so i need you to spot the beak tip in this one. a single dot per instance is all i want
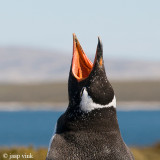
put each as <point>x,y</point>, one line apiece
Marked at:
<point>73,34</point>
<point>99,39</point>
<point>74,37</point>
<point>100,46</point>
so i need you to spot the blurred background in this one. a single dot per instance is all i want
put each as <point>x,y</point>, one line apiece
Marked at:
<point>35,56</point>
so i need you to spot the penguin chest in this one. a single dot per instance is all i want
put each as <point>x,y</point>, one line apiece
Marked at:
<point>85,146</point>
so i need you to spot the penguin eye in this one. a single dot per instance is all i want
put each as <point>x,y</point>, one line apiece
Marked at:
<point>81,93</point>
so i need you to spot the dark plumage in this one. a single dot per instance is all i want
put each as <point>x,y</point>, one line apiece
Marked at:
<point>91,134</point>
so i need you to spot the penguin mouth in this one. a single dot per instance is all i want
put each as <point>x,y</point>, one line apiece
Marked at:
<point>81,65</point>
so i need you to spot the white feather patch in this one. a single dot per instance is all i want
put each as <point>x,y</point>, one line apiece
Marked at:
<point>88,105</point>
<point>52,139</point>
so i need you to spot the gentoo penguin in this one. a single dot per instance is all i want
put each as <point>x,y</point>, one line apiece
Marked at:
<point>88,130</point>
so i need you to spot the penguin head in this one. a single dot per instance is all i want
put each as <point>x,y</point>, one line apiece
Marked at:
<point>88,85</point>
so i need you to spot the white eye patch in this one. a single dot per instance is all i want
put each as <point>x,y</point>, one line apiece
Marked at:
<point>88,105</point>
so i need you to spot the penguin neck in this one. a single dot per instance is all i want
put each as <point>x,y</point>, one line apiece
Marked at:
<point>98,120</point>
<point>105,119</point>
<point>88,114</point>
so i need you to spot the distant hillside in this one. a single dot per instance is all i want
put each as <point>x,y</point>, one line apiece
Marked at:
<point>25,65</point>
<point>57,92</point>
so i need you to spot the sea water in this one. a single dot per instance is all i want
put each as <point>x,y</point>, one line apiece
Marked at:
<point>23,128</point>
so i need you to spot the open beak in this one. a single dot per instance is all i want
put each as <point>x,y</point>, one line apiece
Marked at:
<point>81,65</point>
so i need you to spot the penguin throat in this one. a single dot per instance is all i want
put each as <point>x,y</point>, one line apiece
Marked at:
<point>88,105</point>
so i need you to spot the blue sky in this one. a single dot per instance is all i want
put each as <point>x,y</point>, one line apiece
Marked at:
<point>128,28</point>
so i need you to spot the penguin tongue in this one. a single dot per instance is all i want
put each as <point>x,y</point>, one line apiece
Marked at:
<point>81,65</point>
